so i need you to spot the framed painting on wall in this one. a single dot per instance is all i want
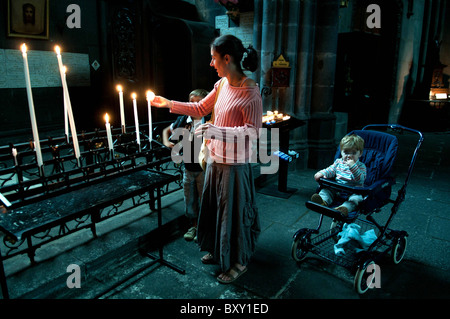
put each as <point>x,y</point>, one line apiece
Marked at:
<point>28,18</point>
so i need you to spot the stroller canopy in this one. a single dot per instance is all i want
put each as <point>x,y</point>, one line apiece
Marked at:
<point>380,150</point>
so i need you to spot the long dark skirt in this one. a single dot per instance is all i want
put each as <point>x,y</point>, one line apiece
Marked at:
<point>228,224</point>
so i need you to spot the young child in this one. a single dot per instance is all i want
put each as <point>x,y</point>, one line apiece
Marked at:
<point>346,170</point>
<point>193,175</point>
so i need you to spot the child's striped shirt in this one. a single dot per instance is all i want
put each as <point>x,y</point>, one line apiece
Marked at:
<point>353,176</point>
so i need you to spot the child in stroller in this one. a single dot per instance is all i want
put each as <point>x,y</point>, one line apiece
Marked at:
<point>380,150</point>
<point>346,170</point>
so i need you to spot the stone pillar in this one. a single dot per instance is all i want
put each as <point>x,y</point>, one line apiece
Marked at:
<point>268,36</point>
<point>303,79</point>
<point>321,126</point>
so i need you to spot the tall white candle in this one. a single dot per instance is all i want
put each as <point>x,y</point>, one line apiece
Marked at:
<point>31,108</point>
<point>73,130</point>
<point>108,132</point>
<point>76,146</point>
<point>66,115</point>
<point>150,98</point>
<point>122,112</point>
<point>16,163</point>
<point>14,154</point>
<point>136,120</point>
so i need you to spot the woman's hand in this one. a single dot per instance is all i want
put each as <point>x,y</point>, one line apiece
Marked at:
<point>201,129</point>
<point>162,102</point>
<point>208,131</point>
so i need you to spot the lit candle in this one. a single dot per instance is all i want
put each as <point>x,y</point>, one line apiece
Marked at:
<point>16,163</point>
<point>14,154</point>
<point>58,55</point>
<point>66,116</point>
<point>108,132</point>
<point>62,73</point>
<point>31,107</point>
<point>68,104</point>
<point>76,146</point>
<point>150,98</point>
<point>122,112</point>
<point>136,120</point>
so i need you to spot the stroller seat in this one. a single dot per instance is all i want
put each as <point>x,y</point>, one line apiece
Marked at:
<point>380,151</point>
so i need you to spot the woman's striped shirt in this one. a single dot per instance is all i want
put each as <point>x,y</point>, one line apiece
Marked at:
<point>238,118</point>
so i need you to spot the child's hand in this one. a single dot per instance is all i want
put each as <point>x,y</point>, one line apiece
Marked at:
<point>318,176</point>
<point>349,161</point>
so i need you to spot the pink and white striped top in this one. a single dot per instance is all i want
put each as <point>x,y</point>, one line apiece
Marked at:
<point>238,118</point>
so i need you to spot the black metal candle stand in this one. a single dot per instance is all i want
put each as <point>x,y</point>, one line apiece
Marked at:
<point>22,179</point>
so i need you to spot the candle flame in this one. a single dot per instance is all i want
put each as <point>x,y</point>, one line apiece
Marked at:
<point>57,49</point>
<point>24,48</point>
<point>150,96</point>
<point>119,88</point>
<point>133,96</point>
<point>106,118</point>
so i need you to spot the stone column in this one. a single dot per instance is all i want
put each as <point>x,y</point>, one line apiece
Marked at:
<point>321,126</point>
<point>268,37</point>
<point>303,78</point>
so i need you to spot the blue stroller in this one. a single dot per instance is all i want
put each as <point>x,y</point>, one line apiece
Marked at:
<point>380,151</point>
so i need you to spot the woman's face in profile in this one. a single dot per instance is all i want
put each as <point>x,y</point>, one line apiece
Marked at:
<point>217,63</point>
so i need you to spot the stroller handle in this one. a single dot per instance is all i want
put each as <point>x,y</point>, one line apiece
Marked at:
<point>396,127</point>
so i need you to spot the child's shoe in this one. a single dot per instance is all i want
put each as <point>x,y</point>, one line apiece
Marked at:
<point>316,198</point>
<point>190,234</point>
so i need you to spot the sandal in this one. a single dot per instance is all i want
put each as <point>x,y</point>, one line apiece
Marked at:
<point>208,259</point>
<point>237,273</point>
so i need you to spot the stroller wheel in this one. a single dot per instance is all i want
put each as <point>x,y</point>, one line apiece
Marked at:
<point>399,249</point>
<point>300,246</point>
<point>364,277</point>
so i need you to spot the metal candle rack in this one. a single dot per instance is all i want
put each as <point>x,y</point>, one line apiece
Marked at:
<point>21,178</point>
